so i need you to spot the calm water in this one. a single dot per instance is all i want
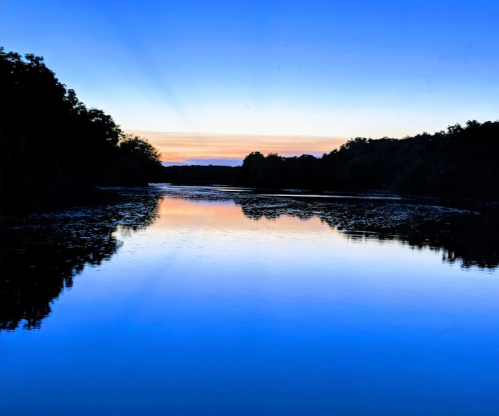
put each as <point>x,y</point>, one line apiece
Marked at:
<point>197,301</point>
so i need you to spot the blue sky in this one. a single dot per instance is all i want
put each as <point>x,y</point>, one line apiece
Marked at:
<point>275,68</point>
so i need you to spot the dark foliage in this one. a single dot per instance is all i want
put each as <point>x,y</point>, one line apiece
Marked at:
<point>139,162</point>
<point>462,161</point>
<point>52,146</point>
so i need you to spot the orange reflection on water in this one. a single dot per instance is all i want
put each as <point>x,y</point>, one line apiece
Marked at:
<point>181,212</point>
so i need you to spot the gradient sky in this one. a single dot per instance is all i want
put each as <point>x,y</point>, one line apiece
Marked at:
<point>217,79</point>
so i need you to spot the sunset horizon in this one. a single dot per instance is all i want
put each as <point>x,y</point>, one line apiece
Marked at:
<point>267,73</point>
<point>230,149</point>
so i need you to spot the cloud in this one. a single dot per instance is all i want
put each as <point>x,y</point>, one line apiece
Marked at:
<point>184,148</point>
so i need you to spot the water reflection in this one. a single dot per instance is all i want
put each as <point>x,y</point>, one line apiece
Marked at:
<point>272,312</point>
<point>43,253</point>
<point>461,236</point>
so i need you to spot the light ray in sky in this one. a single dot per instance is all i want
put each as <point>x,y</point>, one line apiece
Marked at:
<point>273,68</point>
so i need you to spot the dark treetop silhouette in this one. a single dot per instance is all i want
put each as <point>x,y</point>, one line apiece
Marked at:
<point>53,147</point>
<point>461,161</point>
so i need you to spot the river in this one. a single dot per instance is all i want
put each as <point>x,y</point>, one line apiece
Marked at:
<point>173,300</point>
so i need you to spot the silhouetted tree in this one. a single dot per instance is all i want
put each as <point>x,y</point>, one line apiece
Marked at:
<point>461,161</point>
<point>140,161</point>
<point>51,145</point>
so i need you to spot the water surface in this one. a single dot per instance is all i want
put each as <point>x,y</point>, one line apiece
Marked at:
<point>196,301</point>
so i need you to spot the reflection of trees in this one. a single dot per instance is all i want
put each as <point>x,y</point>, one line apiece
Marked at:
<point>43,253</point>
<point>460,236</point>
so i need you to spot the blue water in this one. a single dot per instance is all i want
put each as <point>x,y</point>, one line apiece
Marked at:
<point>210,312</point>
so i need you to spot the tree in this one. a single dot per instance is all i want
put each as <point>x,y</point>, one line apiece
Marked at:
<point>140,161</point>
<point>52,146</point>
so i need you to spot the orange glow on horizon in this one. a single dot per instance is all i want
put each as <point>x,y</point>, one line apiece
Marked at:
<point>180,147</point>
<point>185,214</point>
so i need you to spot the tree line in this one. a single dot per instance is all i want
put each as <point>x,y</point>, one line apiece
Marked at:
<point>53,147</point>
<point>458,161</point>
<point>461,161</point>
